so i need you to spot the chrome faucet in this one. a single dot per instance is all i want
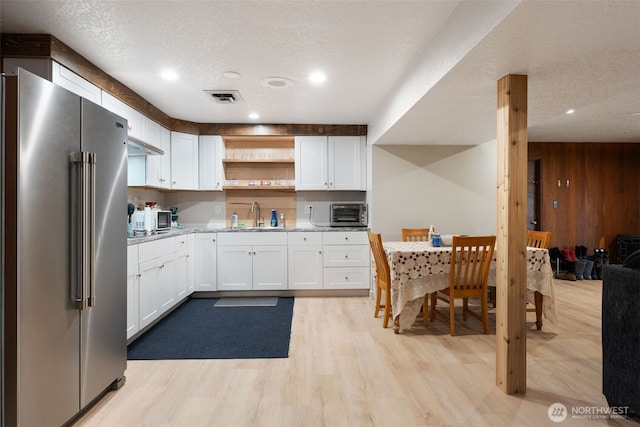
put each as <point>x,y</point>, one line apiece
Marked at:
<point>255,207</point>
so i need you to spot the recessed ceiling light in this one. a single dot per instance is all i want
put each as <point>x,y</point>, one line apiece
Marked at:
<point>317,77</point>
<point>231,74</point>
<point>169,75</point>
<point>277,83</point>
<point>254,116</point>
<point>570,111</point>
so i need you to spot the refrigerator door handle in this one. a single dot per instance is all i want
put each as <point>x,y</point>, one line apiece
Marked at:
<point>92,230</point>
<point>86,213</point>
<point>78,284</point>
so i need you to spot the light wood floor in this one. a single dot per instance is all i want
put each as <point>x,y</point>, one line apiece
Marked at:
<point>344,369</point>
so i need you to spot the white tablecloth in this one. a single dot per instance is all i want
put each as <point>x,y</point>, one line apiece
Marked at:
<point>418,268</point>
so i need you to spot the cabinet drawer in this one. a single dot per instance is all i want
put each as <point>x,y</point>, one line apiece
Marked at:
<point>252,238</point>
<point>132,255</point>
<point>346,278</point>
<point>345,238</point>
<point>302,238</point>
<point>155,249</point>
<point>346,256</point>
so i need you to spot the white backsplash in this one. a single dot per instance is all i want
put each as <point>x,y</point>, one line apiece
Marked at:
<point>208,208</point>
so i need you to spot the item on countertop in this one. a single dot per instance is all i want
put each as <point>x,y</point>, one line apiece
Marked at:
<point>174,218</point>
<point>130,211</point>
<point>282,220</point>
<point>274,218</point>
<point>432,229</point>
<point>149,225</point>
<point>137,223</point>
<point>234,219</point>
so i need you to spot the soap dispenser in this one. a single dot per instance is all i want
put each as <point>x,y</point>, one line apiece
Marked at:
<point>234,219</point>
<point>274,218</point>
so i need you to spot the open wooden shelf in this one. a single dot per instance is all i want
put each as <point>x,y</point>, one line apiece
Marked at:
<point>258,187</point>
<point>258,160</point>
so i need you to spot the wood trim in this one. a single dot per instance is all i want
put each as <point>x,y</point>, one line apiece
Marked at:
<point>48,46</point>
<point>511,278</point>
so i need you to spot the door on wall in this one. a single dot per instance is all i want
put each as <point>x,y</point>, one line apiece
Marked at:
<point>533,194</point>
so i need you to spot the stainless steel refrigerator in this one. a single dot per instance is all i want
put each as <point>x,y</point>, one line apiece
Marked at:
<point>64,200</point>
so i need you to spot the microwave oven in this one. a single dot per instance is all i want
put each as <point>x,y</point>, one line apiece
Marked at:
<point>348,214</point>
<point>163,221</point>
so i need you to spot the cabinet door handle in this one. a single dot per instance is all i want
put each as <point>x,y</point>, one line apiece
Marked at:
<point>320,252</point>
<point>346,256</point>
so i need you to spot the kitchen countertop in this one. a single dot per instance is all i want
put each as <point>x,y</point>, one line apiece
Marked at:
<point>190,230</point>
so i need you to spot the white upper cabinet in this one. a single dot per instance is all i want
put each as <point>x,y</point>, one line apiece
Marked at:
<point>330,163</point>
<point>134,118</point>
<point>184,161</point>
<point>56,73</point>
<point>346,163</point>
<point>311,163</point>
<point>74,83</point>
<point>210,162</point>
<point>159,166</point>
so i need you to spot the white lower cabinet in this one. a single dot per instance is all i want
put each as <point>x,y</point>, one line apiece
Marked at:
<point>167,282</point>
<point>184,266</point>
<point>346,257</point>
<point>163,272</point>
<point>149,309</point>
<point>235,271</point>
<point>252,261</point>
<point>157,285</point>
<point>191,264</point>
<point>205,265</point>
<point>305,260</point>
<point>133,286</point>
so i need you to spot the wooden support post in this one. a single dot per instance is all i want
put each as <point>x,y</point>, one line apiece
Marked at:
<point>511,333</point>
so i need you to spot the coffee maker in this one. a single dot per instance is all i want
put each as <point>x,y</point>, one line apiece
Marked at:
<point>174,218</point>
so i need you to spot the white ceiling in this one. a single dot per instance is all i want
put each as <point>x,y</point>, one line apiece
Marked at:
<point>416,72</point>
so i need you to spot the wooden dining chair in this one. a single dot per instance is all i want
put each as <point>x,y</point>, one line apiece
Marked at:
<point>535,239</point>
<point>415,234</point>
<point>468,276</point>
<point>383,281</point>
<point>538,239</point>
<point>418,235</point>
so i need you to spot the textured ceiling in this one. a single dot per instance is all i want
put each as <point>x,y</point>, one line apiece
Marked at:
<point>417,72</point>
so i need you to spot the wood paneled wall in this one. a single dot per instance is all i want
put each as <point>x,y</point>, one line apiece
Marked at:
<point>602,198</point>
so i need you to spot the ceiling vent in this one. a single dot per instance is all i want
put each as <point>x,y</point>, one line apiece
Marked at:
<point>224,96</point>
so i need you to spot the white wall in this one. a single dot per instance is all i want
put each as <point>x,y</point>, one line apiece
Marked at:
<point>451,187</point>
<point>199,208</point>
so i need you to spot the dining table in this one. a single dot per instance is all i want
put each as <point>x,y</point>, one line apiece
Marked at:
<point>419,268</point>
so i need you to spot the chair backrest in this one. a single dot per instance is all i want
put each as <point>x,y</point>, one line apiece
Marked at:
<point>415,234</point>
<point>538,239</point>
<point>470,260</point>
<point>379,256</point>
